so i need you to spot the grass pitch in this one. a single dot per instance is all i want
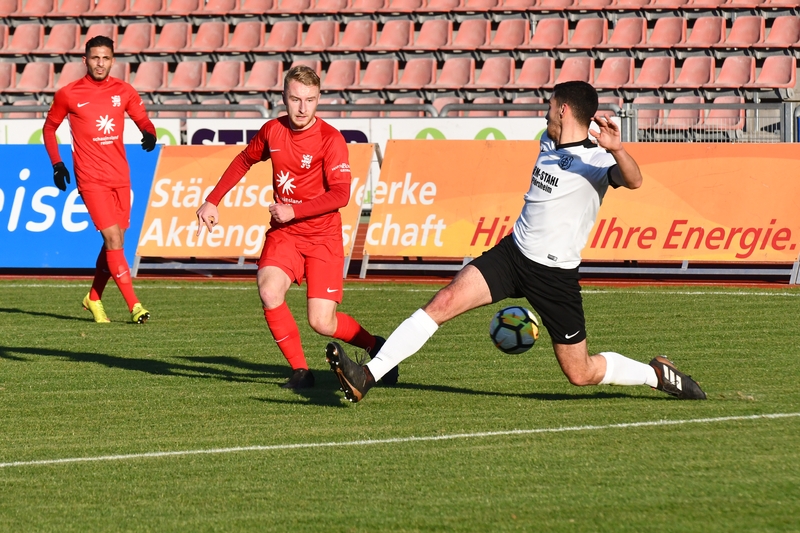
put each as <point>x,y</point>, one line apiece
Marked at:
<point>180,424</point>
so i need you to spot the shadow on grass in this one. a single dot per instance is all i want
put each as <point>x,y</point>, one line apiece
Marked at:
<point>544,396</point>
<point>15,310</point>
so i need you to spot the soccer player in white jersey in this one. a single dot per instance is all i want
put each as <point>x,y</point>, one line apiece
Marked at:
<point>539,260</point>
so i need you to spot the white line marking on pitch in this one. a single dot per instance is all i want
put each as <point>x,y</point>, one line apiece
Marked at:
<point>397,440</point>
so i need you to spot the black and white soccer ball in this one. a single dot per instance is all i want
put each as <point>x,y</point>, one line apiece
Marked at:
<point>514,329</point>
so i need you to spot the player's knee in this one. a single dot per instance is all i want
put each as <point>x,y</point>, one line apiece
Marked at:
<point>579,377</point>
<point>322,325</point>
<point>269,299</point>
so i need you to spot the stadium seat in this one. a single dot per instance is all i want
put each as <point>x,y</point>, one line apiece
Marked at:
<point>72,71</point>
<point>784,34</point>
<point>63,39</point>
<point>548,34</point>
<point>188,76</point>
<point>358,34</point>
<point>253,7</point>
<point>418,73</point>
<point>379,74</point>
<point>628,33</point>
<point>106,30</point>
<point>485,100</point>
<point>439,6</point>
<point>321,35</point>
<point>121,71</point>
<point>667,32</point>
<point>9,8</point>
<point>367,114</point>
<point>211,114</point>
<point>525,113</point>
<point>401,7</point>
<point>615,72</point>
<point>211,36</point>
<point>326,7</point>
<point>609,100</point>
<point>475,6</point>
<point>439,103</point>
<point>705,33</point>
<point>264,76</point>
<point>26,39</point>
<point>513,6</point>
<point>330,114</point>
<point>511,34</point>
<point>683,119</point>
<point>225,76</point>
<point>735,73</point>
<point>664,5</point>
<point>106,9</point>
<point>704,5</point>
<point>471,34</point>
<point>655,73</point>
<point>178,8</point>
<point>35,78</point>
<point>592,5</point>
<point>396,34</point>
<point>725,119</point>
<point>150,76</point>
<point>342,75</point>
<point>496,73</point>
<point>174,37</point>
<point>290,7</point>
<point>313,64</point>
<point>576,69</point>
<point>647,119</point>
<point>406,100</point>
<point>8,75</point>
<point>142,9</point>
<point>174,114</point>
<point>284,35</point>
<point>777,72</point>
<point>589,32</point>
<point>536,73</point>
<point>72,8</point>
<point>364,7</point>
<point>247,36</point>
<point>250,114</point>
<point>695,72</point>
<point>455,74</point>
<point>216,7</point>
<point>138,36</point>
<point>433,35</point>
<point>745,32</point>
<point>24,114</point>
<point>36,9</point>
<point>552,6</point>
<point>628,5</point>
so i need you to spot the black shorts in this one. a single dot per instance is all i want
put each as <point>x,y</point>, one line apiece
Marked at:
<point>554,293</point>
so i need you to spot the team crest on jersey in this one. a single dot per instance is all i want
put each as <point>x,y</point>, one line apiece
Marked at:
<point>306,162</point>
<point>565,162</point>
<point>116,101</point>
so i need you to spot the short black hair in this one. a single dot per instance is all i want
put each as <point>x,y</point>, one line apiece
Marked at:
<point>580,97</point>
<point>98,41</point>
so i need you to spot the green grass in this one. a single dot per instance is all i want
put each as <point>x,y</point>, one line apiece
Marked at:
<point>204,374</point>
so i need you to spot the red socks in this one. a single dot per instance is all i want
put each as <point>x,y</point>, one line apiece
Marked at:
<point>101,275</point>
<point>284,330</point>
<point>118,267</point>
<point>351,332</point>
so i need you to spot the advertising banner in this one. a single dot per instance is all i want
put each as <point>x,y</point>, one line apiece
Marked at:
<point>43,227</point>
<point>710,202</point>
<point>187,174</point>
<point>29,131</point>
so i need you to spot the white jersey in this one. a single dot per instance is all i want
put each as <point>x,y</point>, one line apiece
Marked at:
<point>567,187</point>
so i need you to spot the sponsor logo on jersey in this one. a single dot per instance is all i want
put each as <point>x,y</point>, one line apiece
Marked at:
<point>285,183</point>
<point>105,124</point>
<point>565,162</point>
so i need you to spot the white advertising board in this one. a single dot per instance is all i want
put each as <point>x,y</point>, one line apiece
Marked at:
<point>29,131</point>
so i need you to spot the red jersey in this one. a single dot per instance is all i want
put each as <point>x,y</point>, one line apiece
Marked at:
<point>96,112</point>
<point>310,171</point>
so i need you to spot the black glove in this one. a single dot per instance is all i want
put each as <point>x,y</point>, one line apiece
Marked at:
<point>60,176</point>
<point>148,141</point>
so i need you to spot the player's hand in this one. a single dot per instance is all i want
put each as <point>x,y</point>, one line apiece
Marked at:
<point>60,175</point>
<point>282,213</point>
<point>148,141</point>
<point>609,136</point>
<point>207,216</point>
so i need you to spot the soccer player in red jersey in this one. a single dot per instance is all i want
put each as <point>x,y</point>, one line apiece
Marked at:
<point>311,181</point>
<point>95,106</point>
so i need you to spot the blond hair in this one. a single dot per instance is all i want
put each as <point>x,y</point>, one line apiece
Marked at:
<point>303,74</point>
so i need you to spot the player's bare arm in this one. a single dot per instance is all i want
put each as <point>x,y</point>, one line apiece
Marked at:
<point>627,172</point>
<point>208,216</point>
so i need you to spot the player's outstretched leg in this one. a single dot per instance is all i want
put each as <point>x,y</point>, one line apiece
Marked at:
<point>96,308</point>
<point>355,379</point>
<point>674,382</point>
<point>139,315</point>
<point>393,375</point>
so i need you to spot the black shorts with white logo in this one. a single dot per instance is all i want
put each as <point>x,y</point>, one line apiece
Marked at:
<point>554,293</point>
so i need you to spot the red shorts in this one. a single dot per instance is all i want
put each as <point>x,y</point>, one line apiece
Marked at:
<point>109,207</point>
<point>319,260</point>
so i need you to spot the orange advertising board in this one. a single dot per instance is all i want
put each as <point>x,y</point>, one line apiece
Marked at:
<point>185,175</point>
<point>698,202</point>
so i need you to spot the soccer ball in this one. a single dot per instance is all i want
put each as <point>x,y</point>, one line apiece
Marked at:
<point>514,329</point>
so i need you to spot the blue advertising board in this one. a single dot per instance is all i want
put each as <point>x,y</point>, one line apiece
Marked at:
<point>43,227</point>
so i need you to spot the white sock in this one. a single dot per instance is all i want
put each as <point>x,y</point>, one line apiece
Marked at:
<point>623,371</point>
<point>404,342</point>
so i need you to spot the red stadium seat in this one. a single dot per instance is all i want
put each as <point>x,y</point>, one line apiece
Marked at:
<point>211,36</point>
<point>250,114</point>
<point>367,114</point>
<point>536,73</point>
<point>433,35</point>
<point>72,71</point>
<point>364,7</point>
<point>174,37</point>
<point>439,103</point>
<point>342,75</point>
<point>313,64</point>
<point>106,30</point>
<point>9,7</point>
<point>667,32</point>
<point>327,7</point>
<point>396,35</point>
<point>592,5</point>
<point>142,8</point>
<point>615,73</point>
<point>705,33</point>
<point>321,35</point>
<point>330,114</point>
<point>695,72</point>
<point>745,32</point>
<point>35,9</point>
<point>26,39</point>
<point>379,74</point>
<point>264,76</point>
<point>629,5</point>
<point>418,73</point>
<point>553,6</point>
<point>472,34</point>
<point>576,69</point>
<point>24,114</point>
<point>475,6</point>
<point>496,73</point>
<point>63,39</point>
<point>178,8</point>
<point>107,8</point>
<point>407,100</point>
<point>609,100</point>
<point>401,7</point>
<point>121,71</point>
<point>628,33</point>
<point>440,6</point>
<point>725,119</point>
<point>455,74</point>
<point>684,119</point>
<point>665,5</point>
<point>211,114</point>
<point>524,113</point>
<point>548,34</point>
<point>513,6</point>
<point>358,34</point>
<point>226,76</point>
<point>175,114</point>
<point>35,78</point>
<point>589,33</point>
<point>736,72</point>
<point>647,119</point>
<point>777,72</point>
<point>138,37</point>
<point>290,7</point>
<point>284,35</point>
<point>704,5</point>
<point>73,8</point>
<point>784,33</point>
<point>485,100</point>
<point>217,7</point>
<point>511,34</point>
<point>188,76</point>
<point>8,75</point>
<point>253,7</point>
<point>247,36</point>
<point>150,76</point>
<point>655,73</point>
